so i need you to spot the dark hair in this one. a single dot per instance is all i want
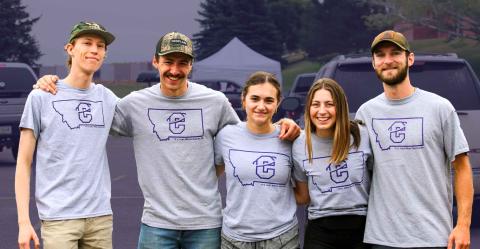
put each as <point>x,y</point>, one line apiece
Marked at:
<point>261,77</point>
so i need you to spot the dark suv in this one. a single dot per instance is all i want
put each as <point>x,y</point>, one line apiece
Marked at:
<point>16,80</point>
<point>444,74</point>
<point>301,84</point>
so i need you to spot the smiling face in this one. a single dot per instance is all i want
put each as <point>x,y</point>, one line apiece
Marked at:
<point>173,69</point>
<point>323,113</point>
<point>391,63</point>
<point>87,53</point>
<point>260,103</point>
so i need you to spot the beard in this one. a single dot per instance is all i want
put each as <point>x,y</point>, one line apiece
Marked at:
<point>395,79</point>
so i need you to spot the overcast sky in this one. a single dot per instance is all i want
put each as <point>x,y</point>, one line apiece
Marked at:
<point>137,25</point>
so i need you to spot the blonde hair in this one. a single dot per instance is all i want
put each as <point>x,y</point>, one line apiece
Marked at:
<point>343,126</point>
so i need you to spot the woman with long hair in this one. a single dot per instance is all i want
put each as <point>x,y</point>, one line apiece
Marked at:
<point>261,201</point>
<point>333,155</point>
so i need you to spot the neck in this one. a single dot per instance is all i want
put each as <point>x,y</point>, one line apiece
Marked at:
<point>173,93</point>
<point>260,129</point>
<point>324,133</point>
<point>78,79</point>
<point>399,91</point>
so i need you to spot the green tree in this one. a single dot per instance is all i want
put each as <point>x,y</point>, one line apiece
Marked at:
<point>336,26</point>
<point>16,43</point>
<point>457,18</point>
<point>222,20</point>
<point>286,15</point>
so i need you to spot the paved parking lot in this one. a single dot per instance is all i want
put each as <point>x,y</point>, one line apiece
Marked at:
<point>127,200</point>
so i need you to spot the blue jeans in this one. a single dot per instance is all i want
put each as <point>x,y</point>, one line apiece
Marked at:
<point>153,238</point>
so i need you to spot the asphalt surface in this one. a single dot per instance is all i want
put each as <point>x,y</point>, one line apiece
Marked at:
<point>127,199</point>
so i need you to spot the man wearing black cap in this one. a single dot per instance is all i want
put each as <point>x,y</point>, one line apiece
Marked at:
<point>71,129</point>
<point>416,138</point>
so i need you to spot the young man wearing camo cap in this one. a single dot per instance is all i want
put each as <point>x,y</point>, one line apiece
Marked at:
<point>173,124</point>
<point>417,141</point>
<point>72,176</point>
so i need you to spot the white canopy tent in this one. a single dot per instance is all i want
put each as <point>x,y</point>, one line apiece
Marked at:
<point>235,62</point>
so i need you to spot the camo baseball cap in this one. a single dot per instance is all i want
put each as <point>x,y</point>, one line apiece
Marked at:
<point>82,28</point>
<point>391,36</point>
<point>174,42</point>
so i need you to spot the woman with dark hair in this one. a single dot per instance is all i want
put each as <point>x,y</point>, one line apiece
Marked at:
<point>333,155</point>
<point>261,201</point>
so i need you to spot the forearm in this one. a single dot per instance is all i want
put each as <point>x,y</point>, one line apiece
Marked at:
<point>23,174</point>
<point>463,190</point>
<point>302,196</point>
<point>22,193</point>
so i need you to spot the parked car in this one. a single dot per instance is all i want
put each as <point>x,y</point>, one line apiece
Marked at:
<point>444,74</point>
<point>231,89</point>
<point>301,84</point>
<point>16,80</point>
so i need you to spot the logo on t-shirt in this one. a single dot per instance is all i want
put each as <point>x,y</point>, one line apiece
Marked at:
<point>328,177</point>
<point>398,132</point>
<point>338,173</point>
<point>251,167</point>
<point>77,112</point>
<point>184,124</point>
<point>265,166</point>
<point>176,122</point>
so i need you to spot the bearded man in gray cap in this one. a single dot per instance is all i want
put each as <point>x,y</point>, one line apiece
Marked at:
<point>416,138</point>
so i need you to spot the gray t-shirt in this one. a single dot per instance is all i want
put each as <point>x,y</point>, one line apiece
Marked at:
<point>414,141</point>
<point>173,145</point>
<point>258,168</point>
<point>71,128</point>
<point>334,189</point>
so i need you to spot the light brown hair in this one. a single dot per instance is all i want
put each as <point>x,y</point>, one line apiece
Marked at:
<point>343,126</point>
<point>261,77</point>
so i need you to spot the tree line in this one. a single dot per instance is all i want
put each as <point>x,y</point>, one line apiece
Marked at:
<point>277,27</point>
<point>325,27</point>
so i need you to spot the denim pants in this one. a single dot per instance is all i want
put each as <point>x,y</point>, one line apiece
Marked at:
<point>154,238</point>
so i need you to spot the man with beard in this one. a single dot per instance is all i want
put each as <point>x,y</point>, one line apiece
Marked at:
<point>416,139</point>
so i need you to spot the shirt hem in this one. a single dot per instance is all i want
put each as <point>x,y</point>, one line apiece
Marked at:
<point>228,233</point>
<point>72,217</point>
<point>377,242</point>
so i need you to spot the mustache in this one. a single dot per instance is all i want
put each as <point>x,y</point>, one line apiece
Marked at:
<point>175,75</point>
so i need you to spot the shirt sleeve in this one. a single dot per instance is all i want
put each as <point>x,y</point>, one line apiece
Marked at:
<point>228,115</point>
<point>299,173</point>
<point>218,153</point>
<point>122,124</point>
<point>32,113</point>
<point>453,136</point>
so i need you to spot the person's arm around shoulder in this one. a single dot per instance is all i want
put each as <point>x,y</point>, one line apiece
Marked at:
<point>26,232</point>
<point>463,183</point>
<point>47,83</point>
